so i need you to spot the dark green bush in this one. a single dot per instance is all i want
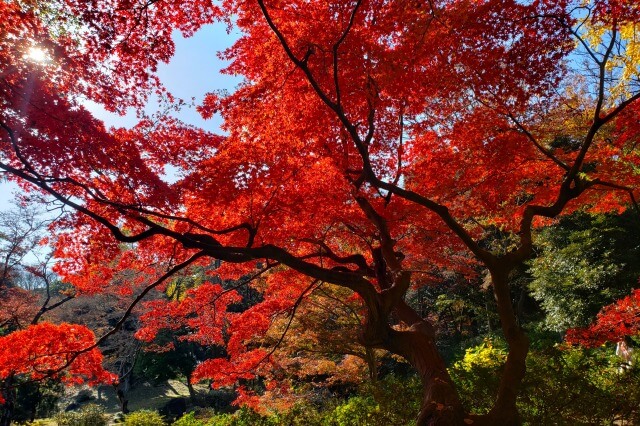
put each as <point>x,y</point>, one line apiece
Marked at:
<point>579,387</point>
<point>563,386</point>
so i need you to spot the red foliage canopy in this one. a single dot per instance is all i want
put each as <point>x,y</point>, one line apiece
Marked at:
<point>614,323</point>
<point>48,350</point>
<point>371,142</point>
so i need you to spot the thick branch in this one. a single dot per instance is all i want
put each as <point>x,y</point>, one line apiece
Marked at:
<point>616,186</point>
<point>355,259</point>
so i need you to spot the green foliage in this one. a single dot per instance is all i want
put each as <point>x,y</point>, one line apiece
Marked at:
<point>356,411</point>
<point>39,422</point>
<point>171,364</point>
<point>303,414</point>
<point>584,263</point>
<point>579,387</point>
<point>563,386</point>
<point>391,401</point>
<point>189,419</point>
<point>477,375</point>
<point>144,418</point>
<point>89,415</point>
<point>464,309</point>
<point>242,417</point>
<point>399,399</point>
<point>484,356</point>
<point>36,399</point>
<point>375,405</point>
<point>221,420</point>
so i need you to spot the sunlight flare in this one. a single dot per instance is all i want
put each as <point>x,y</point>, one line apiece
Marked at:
<point>37,54</point>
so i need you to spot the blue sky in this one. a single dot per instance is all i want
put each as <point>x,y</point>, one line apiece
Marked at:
<point>192,72</point>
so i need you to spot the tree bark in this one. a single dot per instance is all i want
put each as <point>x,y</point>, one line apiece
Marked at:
<point>440,401</point>
<point>192,392</point>
<point>123,401</point>
<point>8,407</point>
<point>372,364</point>
<point>441,404</point>
<point>122,389</point>
<point>505,411</point>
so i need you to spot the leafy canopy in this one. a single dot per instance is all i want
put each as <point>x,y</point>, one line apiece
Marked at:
<point>371,143</point>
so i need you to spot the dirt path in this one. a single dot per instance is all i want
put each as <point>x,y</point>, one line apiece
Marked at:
<point>142,396</point>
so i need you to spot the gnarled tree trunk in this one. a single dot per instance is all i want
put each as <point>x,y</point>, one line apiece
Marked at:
<point>441,404</point>
<point>505,411</point>
<point>440,401</point>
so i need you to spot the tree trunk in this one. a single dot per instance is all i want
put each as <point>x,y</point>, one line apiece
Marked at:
<point>123,401</point>
<point>440,401</point>
<point>372,364</point>
<point>7,414</point>
<point>122,388</point>
<point>505,411</point>
<point>8,407</point>
<point>192,392</point>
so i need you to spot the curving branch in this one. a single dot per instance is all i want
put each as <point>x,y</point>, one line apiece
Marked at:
<point>335,48</point>
<point>72,356</point>
<point>618,187</point>
<point>362,147</point>
<point>355,259</point>
<point>537,143</point>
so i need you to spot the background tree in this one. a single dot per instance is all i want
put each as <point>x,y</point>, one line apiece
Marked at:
<point>583,263</point>
<point>101,313</point>
<point>315,346</point>
<point>21,230</point>
<point>613,323</point>
<point>26,293</point>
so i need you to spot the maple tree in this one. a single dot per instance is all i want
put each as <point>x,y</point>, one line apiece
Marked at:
<point>317,350</point>
<point>32,352</point>
<point>613,323</point>
<point>370,142</point>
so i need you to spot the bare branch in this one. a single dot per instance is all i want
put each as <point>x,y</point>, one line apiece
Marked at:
<point>336,46</point>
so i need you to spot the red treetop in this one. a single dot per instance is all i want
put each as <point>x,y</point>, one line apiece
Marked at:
<point>614,323</point>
